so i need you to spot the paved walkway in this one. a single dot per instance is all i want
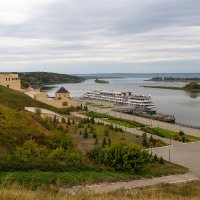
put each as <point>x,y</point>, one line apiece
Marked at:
<point>110,187</point>
<point>185,154</point>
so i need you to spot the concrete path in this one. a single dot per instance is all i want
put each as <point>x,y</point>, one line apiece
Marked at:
<point>185,154</point>
<point>110,187</point>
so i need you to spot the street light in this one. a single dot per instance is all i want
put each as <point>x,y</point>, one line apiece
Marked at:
<point>137,137</point>
<point>169,154</point>
<point>151,146</point>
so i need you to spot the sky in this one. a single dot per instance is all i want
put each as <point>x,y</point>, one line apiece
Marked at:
<point>100,36</point>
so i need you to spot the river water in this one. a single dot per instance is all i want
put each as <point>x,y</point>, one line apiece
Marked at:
<point>184,105</point>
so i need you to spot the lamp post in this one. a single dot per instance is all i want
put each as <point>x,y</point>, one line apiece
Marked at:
<point>137,137</point>
<point>151,146</point>
<point>169,154</point>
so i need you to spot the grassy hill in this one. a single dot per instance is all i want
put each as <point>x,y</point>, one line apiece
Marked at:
<point>47,78</point>
<point>29,142</point>
<point>18,100</point>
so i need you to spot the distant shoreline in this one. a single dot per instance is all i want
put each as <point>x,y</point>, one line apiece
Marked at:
<point>101,81</point>
<point>174,79</point>
<point>173,88</point>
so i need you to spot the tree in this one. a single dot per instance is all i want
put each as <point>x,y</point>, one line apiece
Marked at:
<point>155,158</point>
<point>85,108</point>
<point>107,131</point>
<point>54,119</point>
<point>111,127</point>
<point>181,133</point>
<point>68,121</point>
<point>94,135</point>
<point>92,121</point>
<point>63,120</point>
<point>96,141</point>
<point>38,111</point>
<point>104,143</point>
<point>80,133</point>
<point>109,141</point>
<point>161,160</point>
<point>85,134</point>
<point>144,140</point>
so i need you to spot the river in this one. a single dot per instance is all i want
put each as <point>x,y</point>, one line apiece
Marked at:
<point>184,105</point>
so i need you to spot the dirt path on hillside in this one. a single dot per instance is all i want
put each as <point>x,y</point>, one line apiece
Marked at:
<point>122,185</point>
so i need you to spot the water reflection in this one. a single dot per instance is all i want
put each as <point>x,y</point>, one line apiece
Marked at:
<point>193,95</point>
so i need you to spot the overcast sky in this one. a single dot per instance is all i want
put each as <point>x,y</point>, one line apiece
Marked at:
<point>98,36</point>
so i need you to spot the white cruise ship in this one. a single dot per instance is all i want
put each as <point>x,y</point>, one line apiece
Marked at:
<point>140,102</point>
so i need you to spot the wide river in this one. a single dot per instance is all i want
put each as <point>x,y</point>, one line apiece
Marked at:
<point>184,105</point>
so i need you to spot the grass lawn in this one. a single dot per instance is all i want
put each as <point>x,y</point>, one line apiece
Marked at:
<point>87,144</point>
<point>170,134</point>
<point>33,179</point>
<point>97,105</point>
<point>114,120</point>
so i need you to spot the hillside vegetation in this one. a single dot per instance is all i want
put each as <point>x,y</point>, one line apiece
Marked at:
<point>192,86</point>
<point>174,79</point>
<point>46,78</point>
<point>18,100</point>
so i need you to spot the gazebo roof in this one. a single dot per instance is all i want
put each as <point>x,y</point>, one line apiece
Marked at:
<point>62,90</point>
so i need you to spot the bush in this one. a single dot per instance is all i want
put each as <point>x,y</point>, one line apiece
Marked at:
<point>161,160</point>
<point>181,133</point>
<point>31,156</point>
<point>122,157</point>
<point>85,134</point>
<point>94,135</point>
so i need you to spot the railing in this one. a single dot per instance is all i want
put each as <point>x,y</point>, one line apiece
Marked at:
<point>187,126</point>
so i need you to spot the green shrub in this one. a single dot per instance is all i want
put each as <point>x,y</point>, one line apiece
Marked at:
<point>31,156</point>
<point>122,157</point>
<point>161,160</point>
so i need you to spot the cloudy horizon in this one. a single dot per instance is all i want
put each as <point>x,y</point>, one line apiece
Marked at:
<point>76,37</point>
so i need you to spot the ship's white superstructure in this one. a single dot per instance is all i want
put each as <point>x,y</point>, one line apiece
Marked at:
<point>127,98</point>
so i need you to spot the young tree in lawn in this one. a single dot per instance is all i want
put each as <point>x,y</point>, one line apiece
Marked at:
<point>85,134</point>
<point>104,143</point>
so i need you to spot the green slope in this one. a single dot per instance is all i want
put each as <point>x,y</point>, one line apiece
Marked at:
<point>29,142</point>
<point>18,100</point>
<point>45,78</point>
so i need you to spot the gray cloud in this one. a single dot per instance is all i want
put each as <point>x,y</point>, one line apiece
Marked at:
<point>75,36</point>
